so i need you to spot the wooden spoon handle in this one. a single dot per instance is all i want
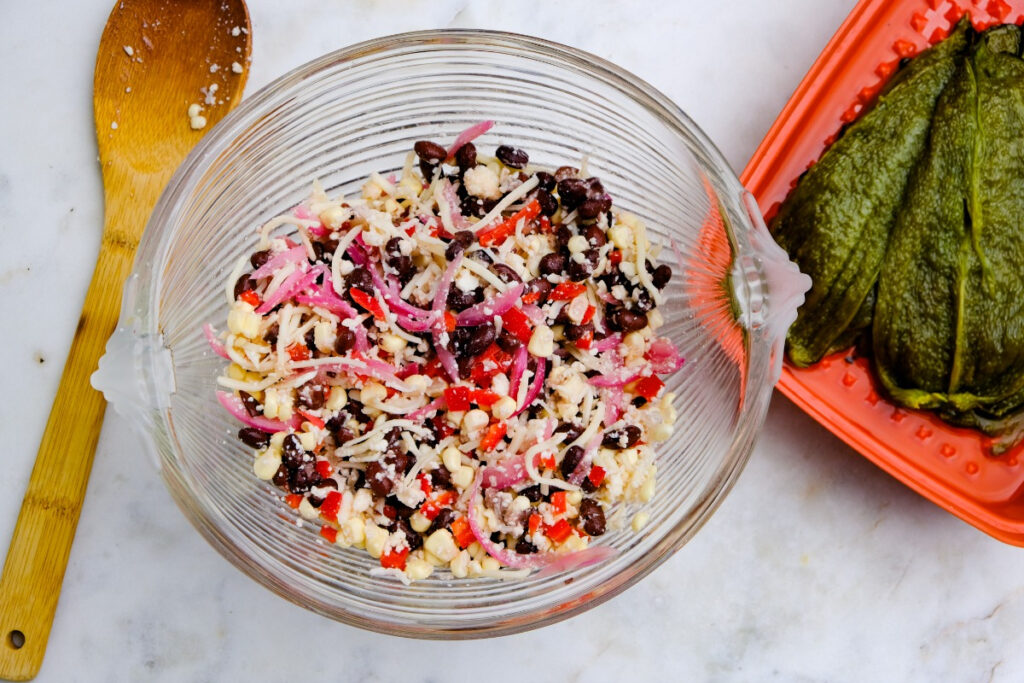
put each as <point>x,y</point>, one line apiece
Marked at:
<point>38,554</point>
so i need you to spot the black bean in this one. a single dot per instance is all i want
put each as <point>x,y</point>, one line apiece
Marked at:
<point>360,279</point>
<point>524,547</point>
<point>541,286</point>
<point>661,275</point>
<point>292,453</point>
<point>303,477</point>
<point>532,493</point>
<point>570,460</point>
<point>639,402</point>
<point>271,335</point>
<point>572,431</point>
<point>592,516</point>
<point>623,437</point>
<point>440,478</point>
<point>496,537</point>
<point>505,273</point>
<point>465,156</point>
<point>249,402</point>
<point>587,485</point>
<point>402,462</point>
<point>393,437</point>
<point>393,248</point>
<point>547,202</point>
<point>552,264</point>
<point>281,476</point>
<point>594,187</point>
<point>572,192</point>
<point>402,511</point>
<point>259,258</point>
<point>595,236</point>
<point>429,170</point>
<point>443,519</point>
<point>564,172</point>
<point>465,364</point>
<point>482,256</point>
<point>389,511</point>
<point>343,435</point>
<point>643,302</point>
<point>576,332</point>
<point>545,181</point>
<point>242,284</point>
<point>513,157</point>
<point>508,342</point>
<point>480,338</point>
<point>344,339</point>
<point>460,242</point>
<point>473,206</point>
<point>405,268</point>
<point>581,270</point>
<point>310,339</point>
<point>328,483</point>
<point>414,540</point>
<point>628,321</point>
<point>377,478</point>
<point>458,300</point>
<point>562,236</point>
<point>431,152</point>
<point>320,253</point>
<point>591,208</point>
<point>252,437</point>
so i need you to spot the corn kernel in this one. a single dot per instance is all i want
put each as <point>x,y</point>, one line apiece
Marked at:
<point>332,217</point>
<point>376,538</point>
<point>236,372</point>
<point>460,565</point>
<point>418,569</point>
<point>640,520</point>
<point>277,439</point>
<point>419,523</point>
<point>489,564</point>
<point>542,342</point>
<point>442,545</point>
<point>655,319</point>
<point>392,343</point>
<point>352,532</point>
<point>336,400</point>
<point>418,384</point>
<point>463,478</point>
<point>661,432</point>
<point>266,465</point>
<point>373,392</point>
<point>452,459</point>
<point>474,421</point>
<point>504,407</point>
<point>307,510</point>
<point>621,237</point>
<point>577,243</point>
<point>372,190</point>
<point>271,404</point>
<point>242,320</point>
<point>647,490</point>
<point>574,498</point>
<point>324,336</point>
<point>574,543</point>
<point>307,439</point>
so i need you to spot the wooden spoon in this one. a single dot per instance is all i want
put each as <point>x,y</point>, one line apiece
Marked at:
<point>156,58</point>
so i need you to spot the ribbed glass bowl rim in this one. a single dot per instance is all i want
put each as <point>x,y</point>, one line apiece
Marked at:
<point>157,240</point>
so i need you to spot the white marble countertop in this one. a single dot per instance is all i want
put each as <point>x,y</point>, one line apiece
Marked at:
<point>818,566</point>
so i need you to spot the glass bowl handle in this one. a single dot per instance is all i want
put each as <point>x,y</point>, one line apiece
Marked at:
<point>135,373</point>
<point>785,285</point>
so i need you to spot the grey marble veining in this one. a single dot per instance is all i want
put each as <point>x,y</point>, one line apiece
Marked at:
<point>818,566</point>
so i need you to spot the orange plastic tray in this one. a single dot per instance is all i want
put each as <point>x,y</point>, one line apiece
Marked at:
<point>950,466</point>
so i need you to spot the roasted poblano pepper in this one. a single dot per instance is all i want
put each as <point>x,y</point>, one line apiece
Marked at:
<point>836,223</point>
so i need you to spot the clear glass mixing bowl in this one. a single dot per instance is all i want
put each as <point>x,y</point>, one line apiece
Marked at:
<point>360,110</point>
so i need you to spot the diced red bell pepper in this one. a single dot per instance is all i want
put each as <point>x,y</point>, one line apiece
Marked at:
<point>311,418</point>
<point>329,533</point>
<point>367,302</point>
<point>250,297</point>
<point>615,257</point>
<point>433,368</point>
<point>516,322</point>
<point>558,502</point>
<point>559,531</point>
<point>425,484</point>
<point>441,426</point>
<point>596,475</point>
<point>494,434</point>
<point>483,397</point>
<point>394,558</point>
<point>585,341</point>
<point>588,315</point>
<point>449,321</point>
<point>566,291</point>
<point>544,224</point>
<point>462,532</point>
<point>293,500</point>
<point>648,387</point>
<point>331,505</point>
<point>298,351</point>
<point>507,227</point>
<point>547,461</point>
<point>457,398</point>
<point>324,469</point>
<point>489,363</point>
<point>531,297</point>
<point>534,523</point>
<point>432,507</point>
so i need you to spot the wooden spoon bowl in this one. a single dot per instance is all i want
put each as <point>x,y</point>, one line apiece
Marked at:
<point>155,60</point>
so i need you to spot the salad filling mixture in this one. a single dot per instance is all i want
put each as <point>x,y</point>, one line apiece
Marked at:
<point>460,368</point>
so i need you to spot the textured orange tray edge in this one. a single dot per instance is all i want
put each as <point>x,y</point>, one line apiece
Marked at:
<point>762,165</point>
